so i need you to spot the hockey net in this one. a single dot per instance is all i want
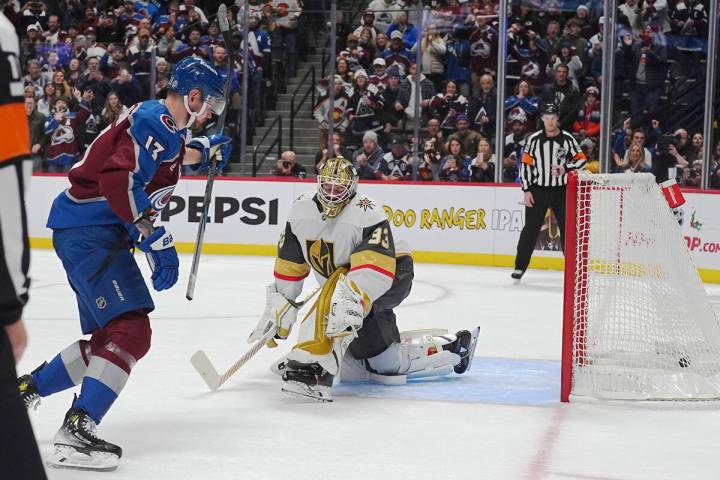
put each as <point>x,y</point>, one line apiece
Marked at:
<point>637,321</point>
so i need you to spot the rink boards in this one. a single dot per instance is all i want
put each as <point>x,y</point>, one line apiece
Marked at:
<point>440,222</point>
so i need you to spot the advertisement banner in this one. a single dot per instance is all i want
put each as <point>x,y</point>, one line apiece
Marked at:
<point>442,223</point>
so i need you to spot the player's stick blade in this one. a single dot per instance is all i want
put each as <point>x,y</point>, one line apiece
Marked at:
<point>190,292</point>
<point>205,368</point>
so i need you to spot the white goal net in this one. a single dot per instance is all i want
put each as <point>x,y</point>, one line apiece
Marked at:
<point>638,324</point>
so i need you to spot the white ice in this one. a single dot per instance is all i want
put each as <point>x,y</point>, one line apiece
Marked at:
<point>171,427</point>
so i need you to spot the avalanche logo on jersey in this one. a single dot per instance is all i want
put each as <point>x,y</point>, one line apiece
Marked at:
<point>321,256</point>
<point>168,122</point>
<point>62,134</point>
<point>159,199</point>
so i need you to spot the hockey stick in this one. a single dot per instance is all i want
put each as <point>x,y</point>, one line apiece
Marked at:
<point>225,30</point>
<point>209,373</point>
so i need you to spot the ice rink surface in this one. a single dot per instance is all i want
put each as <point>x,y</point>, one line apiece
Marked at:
<point>502,420</point>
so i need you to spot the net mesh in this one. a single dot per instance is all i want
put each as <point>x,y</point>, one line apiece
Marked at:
<point>643,327</point>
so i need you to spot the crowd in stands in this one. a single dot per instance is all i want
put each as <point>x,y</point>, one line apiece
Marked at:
<point>86,61</point>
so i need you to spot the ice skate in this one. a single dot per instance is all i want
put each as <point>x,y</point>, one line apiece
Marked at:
<point>28,392</point>
<point>464,346</point>
<point>78,447</point>
<point>517,275</point>
<point>307,381</point>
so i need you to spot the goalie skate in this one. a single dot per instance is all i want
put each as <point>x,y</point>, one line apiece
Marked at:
<point>464,346</point>
<point>78,447</point>
<point>307,381</point>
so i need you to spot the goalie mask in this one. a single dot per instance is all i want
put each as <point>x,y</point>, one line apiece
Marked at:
<point>337,184</point>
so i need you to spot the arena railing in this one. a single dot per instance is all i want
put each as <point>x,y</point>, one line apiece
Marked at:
<point>277,142</point>
<point>294,109</point>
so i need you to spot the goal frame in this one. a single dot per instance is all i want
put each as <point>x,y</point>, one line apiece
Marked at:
<point>571,257</point>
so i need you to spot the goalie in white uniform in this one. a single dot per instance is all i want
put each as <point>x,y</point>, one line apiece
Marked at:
<point>350,332</point>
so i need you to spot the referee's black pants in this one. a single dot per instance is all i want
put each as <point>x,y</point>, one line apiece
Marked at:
<point>19,456</point>
<point>545,197</point>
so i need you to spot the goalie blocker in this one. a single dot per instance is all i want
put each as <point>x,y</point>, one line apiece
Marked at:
<point>350,333</point>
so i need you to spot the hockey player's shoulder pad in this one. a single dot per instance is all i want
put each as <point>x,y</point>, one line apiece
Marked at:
<point>365,211</point>
<point>155,131</point>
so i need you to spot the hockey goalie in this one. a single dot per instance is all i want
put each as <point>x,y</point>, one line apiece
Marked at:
<point>350,333</point>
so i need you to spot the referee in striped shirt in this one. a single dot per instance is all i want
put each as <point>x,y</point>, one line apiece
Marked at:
<point>549,154</point>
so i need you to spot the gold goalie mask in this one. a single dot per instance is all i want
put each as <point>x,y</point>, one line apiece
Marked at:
<point>337,184</point>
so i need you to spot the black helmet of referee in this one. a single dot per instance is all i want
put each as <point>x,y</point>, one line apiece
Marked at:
<point>549,109</point>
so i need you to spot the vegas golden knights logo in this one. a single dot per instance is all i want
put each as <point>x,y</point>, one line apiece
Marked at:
<point>321,256</point>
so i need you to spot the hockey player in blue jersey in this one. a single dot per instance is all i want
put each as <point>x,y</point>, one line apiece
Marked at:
<point>125,178</point>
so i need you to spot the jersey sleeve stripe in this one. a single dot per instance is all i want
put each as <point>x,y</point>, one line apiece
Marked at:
<point>374,260</point>
<point>16,133</point>
<point>286,268</point>
<point>290,278</point>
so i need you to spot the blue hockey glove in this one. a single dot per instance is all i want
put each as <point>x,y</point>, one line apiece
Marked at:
<point>161,253</point>
<point>209,146</point>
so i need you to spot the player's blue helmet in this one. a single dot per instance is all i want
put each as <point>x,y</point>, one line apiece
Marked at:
<point>197,73</point>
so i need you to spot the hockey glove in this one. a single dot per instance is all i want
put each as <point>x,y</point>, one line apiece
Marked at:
<point>216,145</point>
<point>279,312</point>
<point>348,307</point>
<point>160,250</point>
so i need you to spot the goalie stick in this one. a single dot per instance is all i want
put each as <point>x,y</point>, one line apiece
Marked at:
<point>209,373</point>
<point>225,30</point>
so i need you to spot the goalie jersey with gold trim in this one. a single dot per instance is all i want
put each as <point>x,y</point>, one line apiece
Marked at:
<point>358,238</point>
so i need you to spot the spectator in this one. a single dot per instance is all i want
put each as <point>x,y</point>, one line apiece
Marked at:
<point>35,77</point>
<point>112,110</point>
<point>567,56</point>
<point>408,94</point>
<point>36,124</point>
<point>213,37</point>
<point>323,108</point>
<point>220,59</point>
<point>637,137</point>
<point>397,54</point>
<point>433,49</point>
<point>338,151</point>
<point>634,160</point>
<point>48,99</point>
<point>429,168</point>
<point>29,43</point>
<point>683,146</point>
<point>482,168</point>
<point>447,106</point>
<point>356,56</point>
<point>646,62</point>
<point>523,98</point>
<point>633,20</point>
<point>455,166</point>
<point>589,149</point>
<point>552,40</point>
<point>577,44</point>
<point>94,79</point>
<point>168,43</point>
<point>396,164</point>
<point>588,118</point>
<point>140,60</point>
<point>162,77</point>
<point>342,70</point>
<point>112,61</point>
<point>385,11</point>
<point>695,151</point>
<point>382,43</point>
<point>284,36</point>
<point>364,106</point>
<point>73,72</point>
<point>582,17</point>
<point>287,166</point>
<point>514,144</point>
<point>469,139</point>
<point>367,159</point>
<point>62,89</point>
<point>63,129</point>
<point>457,66</point>
<point>53,33</point>
<point>408,30</point>
<point>562,93</point>
<point>367,25</point>
<point>366,38</point>
<point>126,87</point>
<point>433,133</point>
<point>481,110</point>
<point>715,167</point>
<point>380,77</point>
<point>483,50</point>
<point>192,47</point>
<point>392,111</point>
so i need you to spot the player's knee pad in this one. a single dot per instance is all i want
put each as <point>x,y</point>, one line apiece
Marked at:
<point>129,334</point>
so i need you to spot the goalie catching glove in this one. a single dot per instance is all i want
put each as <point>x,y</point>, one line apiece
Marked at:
<point>348,307</point>
<point>163,259</point>
<point>279,314</point>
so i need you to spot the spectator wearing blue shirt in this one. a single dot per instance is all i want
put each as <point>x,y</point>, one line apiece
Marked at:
<point>408,30</point>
